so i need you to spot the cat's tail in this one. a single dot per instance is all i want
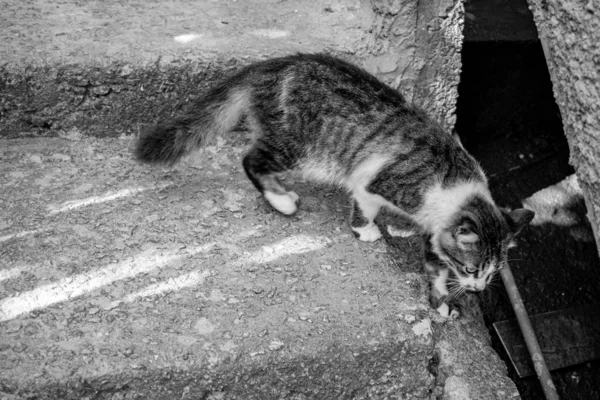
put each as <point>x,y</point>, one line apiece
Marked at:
<point>216,112</point>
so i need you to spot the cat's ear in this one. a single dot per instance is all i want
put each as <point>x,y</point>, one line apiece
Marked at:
<point>465,236</point>
<point>456,137</point>
<point>518,219</point>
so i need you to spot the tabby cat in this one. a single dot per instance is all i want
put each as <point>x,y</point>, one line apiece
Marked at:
<point>337,124</point>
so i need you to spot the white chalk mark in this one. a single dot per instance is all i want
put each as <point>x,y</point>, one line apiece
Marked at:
<point>110,196</point>
<point>78,285</point>
<point>186,38</point>
<point>187,280</point>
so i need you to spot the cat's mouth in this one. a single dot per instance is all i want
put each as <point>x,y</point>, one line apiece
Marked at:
<point>474,287</point>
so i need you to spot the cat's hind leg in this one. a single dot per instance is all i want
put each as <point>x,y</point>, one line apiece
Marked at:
<point>365,207</point>
<point>262,166</point>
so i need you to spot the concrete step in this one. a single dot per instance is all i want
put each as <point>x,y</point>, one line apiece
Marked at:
<point>111,68</point>
<point>121,281</point>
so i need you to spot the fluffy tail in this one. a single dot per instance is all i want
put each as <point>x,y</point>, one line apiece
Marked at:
<point>217,112</point>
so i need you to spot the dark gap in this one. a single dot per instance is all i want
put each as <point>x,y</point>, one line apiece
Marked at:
<point>508,119</point>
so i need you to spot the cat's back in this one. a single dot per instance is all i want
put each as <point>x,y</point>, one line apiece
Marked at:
<point>325,78</point>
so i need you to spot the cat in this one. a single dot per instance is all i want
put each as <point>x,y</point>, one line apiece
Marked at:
<point>337,124</point>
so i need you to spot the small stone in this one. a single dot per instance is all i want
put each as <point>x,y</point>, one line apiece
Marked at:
<point>31,329</point>
<point>19,347</point>
<point>263,333</point>
<point>303,315</point>
<point>13,327</point>
<point>326,267</point>
<point>423,328</point>
<point>276,345</point>
<point>61,157</point>
<point>216,296</point>
<point>107,306</point>
<point>409,318</point>
<point>128,352</point>
<point>100,90</point>
<point>204,326</point>
<point>257,289</point>
<point>35,158</point>
<point>93,310</point>
<point>79,308</point>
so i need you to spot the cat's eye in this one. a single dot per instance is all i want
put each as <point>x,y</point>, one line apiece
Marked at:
<point>463,230</point>
<point>471,270</point>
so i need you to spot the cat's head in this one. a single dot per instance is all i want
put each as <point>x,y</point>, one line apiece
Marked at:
<point>475,243</point>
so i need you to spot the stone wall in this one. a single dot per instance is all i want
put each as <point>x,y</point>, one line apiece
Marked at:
<point>415,46</point>
<point>570,33</point>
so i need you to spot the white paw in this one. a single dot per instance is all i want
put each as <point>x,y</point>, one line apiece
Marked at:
<point>294,196</point>
<point>395,232</point>
<point>446,312</point>
<point>368,233</point>
<point>284,203</point>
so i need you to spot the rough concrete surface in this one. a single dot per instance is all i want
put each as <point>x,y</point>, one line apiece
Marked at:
<point>120,281</point>
<point>123,281</point>
<point>113,67</point>
<point>570,32</point>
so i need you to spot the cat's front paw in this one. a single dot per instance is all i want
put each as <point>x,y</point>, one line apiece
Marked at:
<point>448,311</point>
<point>284,203</point>
<point>367,233</point>
<point>397,232</point>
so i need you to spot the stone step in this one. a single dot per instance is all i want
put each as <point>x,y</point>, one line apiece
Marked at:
<point>121,281</point>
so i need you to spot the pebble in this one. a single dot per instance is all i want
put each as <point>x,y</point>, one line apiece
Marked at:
<point>257,289</point>
<point>304,315</point>
<point>35,158</point>
<point>263,333</point>
<point>13,328</point>
<point>128,352</point>
<point>31,330</point>
<point>216,296</point>
<point>19,347</point>
<point>276,345</point>
<point>61,157</point>
<point>204,326</point>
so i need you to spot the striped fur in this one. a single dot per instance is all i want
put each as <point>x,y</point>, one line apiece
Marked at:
<point>339,125</point>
